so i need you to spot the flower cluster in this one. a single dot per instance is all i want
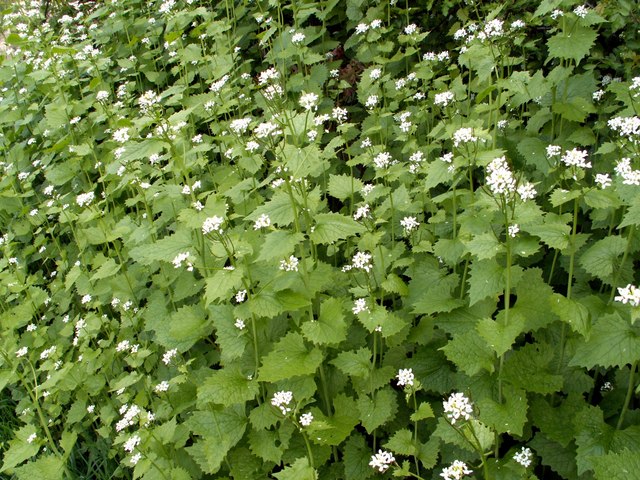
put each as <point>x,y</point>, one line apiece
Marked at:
<point>381,460</point>
<point>500,179</point>
<point>290,264</point>
<point>523,457</point>
<point>458,406</point>
<point>281,400</point>
<point>405,377</point>
<point>629,294</point>
<point>455,471</point>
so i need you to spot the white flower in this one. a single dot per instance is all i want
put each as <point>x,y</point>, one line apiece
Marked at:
<point>372,101</point>
<point>32,438</point>
<point>169,355</point>
<point>263,221</point>
<point>456,471</point>
<point>463,135</point>
<point>86,298</point>
<point>135,458</point>
<point>575,158</point>
<point>359,306</point>
<point>298,38</point>
<point>268,75</point>
<point>162,386</point>
<point>85,198</point>
<point>91,408</point>
<point>181,257</point>
<point>252,146</point>
<point>240,125</point>
<point>581,11</point>
<point>443,99</point>
<point>306,419</point>
<point>375,73</point>
<point>239,324</point>
<point>361,212</point>
<point>132,443</point>
<point>102,95</point>
<point>339,114</point>
<point>629,294</point>
<point>405,377</point>
<point>212,224</point>
<point>377,23</point>
<point>381,460</point>
<point>409,223</point>
<point>361,28</point>
<point>527,191</point>
<point>557,14</point>
<point>513,230</point>
<point>289,265</point>
<point>281,400</point>
<point>121,135</point>
<point>21,352</point>
<point>597,95</point>
<point>603,180</point>
<point>494,28</point>
<point>553,151</point>
<point>457,406</point>
<point>362,260</point>
<point>382,160</point>
<point>123,346</point>
<point>523,457</point>
<point>241,296</point>
<point>309,101</point>
<point>411,29</point>
<point>629,176</point>
<point>500,179</point>
<point>628,127</point>
<point>517,24</point>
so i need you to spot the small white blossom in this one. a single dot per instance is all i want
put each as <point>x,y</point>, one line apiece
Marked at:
<point>359,306</point>
<point>132,443</point>
<point>381,460</point>
<point>405,377</point>
<point>527,191</point>
<point>306,419</point>
<point>281,400</point>
<point>32,438</point>
<point>575,157</point>
<point>22,352</point>
<point>263,221</point>
<point>372,101</point>
<point>169,355</point>
<point>411,29</point>
<point>443,99</point>
<point>463,135</point>
<point>456,471</point>
<point>289,265</point>
<point>362,260</point>
<point>603,180</point>
<point>513,230</point>
<point>121,135</point>
<point>309,101</point>
<point>382,160</point>
<point>553,151</point>
<point>581,11</point>
<point>457,406</point>
<point>629,294</point>
<point>162,387</point>
<point>361,212</point>
<point>239,324</point>
<point>523,457</point>
<point>409,224</point>
<point>241,296</point>
<point>212,224</point>
<point>500,179</point>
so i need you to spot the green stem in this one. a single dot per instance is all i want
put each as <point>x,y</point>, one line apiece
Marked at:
<point>630,233</point>
<point>627,399</point>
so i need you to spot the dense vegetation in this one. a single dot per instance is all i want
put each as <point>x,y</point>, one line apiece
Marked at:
<point>334,239</point>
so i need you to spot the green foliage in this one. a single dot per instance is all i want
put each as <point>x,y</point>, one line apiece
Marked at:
<point>292,240</point>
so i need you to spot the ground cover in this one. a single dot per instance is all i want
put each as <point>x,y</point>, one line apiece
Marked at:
<point>320,239</point>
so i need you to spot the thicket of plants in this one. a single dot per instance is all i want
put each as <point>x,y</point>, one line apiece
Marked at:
<point>336,239</point>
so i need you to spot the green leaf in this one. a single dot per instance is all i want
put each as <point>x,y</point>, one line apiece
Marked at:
<point>529,290</point>
<point>507,417</point>
<point>530,368</point>
<point>231,341</point>
<point>266,445</point>
<point>572,45</point>
<point>330,328</point>
<point>186,326</point>
<point>49,467</point>
<point>601,259</point>
<point>56,115</point>
<point>423,412</point>
<point>279,245</point>
<point>613,343</point>
<point>593,437</point>
<point>278,209</point>
<point>223,285</point>
<point>378,410</point>
<point>355,364</point>
<point>561,196</point>
<point>560,459</point>
<point>402,442</point>
<point>163,250</point>
<point>333,430</point>
<point>485,280</point>
<point>572,312</point>
<point>470,353</point>
<point>484,246</point>
<point>357,456</point>
<point>632,216</point>
<point>556,421</point>
<point>227,386</point>
<point>106,270</point>
<point>343,186</point>
<point>378,318</point>
<point>554,232</point>
<point>289,358</point>
<point>499,334</point>
<point>464,438</point>
<point>436,294</point>
<point>616,466</point>
<point>299,470</point>
<point>220,431</point>
<point>19,449</point>
<point>331,227</point>
<point>140,150</point>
